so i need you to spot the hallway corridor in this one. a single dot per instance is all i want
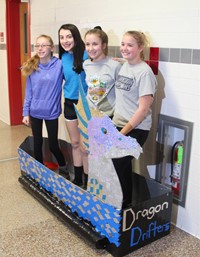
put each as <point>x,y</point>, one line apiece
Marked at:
<point>28,229</point>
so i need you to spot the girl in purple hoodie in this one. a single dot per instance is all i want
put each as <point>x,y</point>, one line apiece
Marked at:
<point>43,98</point>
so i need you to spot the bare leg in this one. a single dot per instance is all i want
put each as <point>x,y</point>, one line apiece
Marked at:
<point>85,157</point>
<point>85,166</point>
<point>74,135</point>
<point>77,154</point>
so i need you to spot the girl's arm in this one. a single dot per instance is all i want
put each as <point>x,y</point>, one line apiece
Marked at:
<point>145,103</point>
<point>28,98</point>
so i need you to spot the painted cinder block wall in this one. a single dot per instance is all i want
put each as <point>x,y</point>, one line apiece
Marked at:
<point>174,33</point>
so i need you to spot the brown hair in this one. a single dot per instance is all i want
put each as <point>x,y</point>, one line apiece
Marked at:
<point>140,38</point>
<point>32,63</point>
<point>102,35</point>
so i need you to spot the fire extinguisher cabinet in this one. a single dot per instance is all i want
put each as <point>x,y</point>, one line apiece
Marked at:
<point>174,138</point>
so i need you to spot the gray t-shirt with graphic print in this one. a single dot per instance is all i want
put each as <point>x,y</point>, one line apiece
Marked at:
<point>100,78</point>
<point>133,82</point>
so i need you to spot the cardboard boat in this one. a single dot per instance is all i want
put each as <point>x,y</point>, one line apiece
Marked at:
<point>119,231</point>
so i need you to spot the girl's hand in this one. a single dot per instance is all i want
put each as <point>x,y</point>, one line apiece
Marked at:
<point>26,120</point>
<point>120,60</point>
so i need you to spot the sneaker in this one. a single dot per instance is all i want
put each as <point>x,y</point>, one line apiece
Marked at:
<point>64,173</point>
<point>80,184</point>
<point>77,183</point>
<point>84,186</point>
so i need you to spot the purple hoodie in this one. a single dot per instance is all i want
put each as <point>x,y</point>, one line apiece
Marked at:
<point>44,90</point>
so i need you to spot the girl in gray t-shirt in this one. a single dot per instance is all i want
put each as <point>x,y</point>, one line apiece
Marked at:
<point>101,72</point>
<point>135,89</point>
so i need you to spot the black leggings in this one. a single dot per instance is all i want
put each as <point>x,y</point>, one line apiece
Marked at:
<point>52,130</point>
<point>123,166</point>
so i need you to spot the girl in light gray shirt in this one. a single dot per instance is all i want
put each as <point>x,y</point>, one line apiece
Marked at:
<point>101,72</point>
<point>135,89</point>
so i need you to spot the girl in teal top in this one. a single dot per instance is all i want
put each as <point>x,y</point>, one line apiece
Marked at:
<point>72,53</point>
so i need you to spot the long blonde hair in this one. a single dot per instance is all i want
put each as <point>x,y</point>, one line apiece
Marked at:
<point>32,63</point>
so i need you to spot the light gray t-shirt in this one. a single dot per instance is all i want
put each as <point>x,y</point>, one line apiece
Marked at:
<point>100,78</point>
<point>133,82</point>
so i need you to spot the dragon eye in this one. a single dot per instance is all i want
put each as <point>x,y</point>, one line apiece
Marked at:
<point>104,130</point>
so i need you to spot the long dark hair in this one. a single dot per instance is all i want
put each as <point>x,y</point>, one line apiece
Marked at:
<point>78,49</point>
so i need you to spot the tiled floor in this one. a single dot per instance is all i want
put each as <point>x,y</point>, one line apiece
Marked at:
<point>28,229</point>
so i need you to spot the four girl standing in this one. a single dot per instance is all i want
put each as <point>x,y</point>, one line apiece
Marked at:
<point>135,87</point>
